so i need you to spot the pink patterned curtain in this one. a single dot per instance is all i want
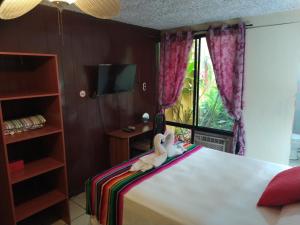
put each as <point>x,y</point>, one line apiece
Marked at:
<point>174,52</point>
<point>227,50</point>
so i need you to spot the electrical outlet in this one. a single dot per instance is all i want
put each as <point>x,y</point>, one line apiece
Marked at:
<point>144,87</point>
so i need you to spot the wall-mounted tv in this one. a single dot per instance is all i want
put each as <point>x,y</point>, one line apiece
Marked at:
<point>115,78</point>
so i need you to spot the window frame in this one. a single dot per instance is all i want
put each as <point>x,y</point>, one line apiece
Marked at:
<point>194,127</point>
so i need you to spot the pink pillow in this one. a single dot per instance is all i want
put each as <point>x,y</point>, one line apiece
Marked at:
<point>283,189</point>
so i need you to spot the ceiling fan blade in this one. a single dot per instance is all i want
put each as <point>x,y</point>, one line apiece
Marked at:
<point>11,9</point>
<point>103,9</point>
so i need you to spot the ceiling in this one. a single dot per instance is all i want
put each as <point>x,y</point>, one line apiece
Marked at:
<point>166,14</point>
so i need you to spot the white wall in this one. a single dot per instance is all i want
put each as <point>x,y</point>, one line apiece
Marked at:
<point>271,71</point>
<point>296,128</point>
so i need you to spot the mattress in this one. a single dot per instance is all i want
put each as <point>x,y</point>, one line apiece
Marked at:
<point>204,187</point>
<point>207,188</point>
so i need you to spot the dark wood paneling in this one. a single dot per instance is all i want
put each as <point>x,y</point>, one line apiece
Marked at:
<point>86,43</point>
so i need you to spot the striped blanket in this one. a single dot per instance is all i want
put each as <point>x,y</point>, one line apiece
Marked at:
<point>105,192</point>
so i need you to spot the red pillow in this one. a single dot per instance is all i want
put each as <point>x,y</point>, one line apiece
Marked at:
<point>283,189</point>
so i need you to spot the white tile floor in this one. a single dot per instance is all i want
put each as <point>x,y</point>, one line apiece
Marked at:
<point>77,211</point>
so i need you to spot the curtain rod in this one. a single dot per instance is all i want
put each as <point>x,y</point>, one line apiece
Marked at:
<point>203,31</point>
<point>275,24</point>
<point>251,26</point>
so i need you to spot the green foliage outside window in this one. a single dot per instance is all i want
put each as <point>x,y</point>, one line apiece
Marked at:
<point>212,113</point>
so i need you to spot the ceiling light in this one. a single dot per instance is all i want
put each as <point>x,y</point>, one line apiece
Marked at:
<point>61,4</point>
<point>63,1</point>
<point>103,9</point>
<point>11,9</point>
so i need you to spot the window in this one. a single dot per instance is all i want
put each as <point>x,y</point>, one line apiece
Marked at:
<point>200,105</point>
<point>181,134</point>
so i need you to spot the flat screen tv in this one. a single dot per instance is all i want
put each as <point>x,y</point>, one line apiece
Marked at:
<point>115,78</point>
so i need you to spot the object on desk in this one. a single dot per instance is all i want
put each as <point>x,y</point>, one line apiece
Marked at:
<point>131,128</point>
<point>16,166</point>
<point>23,124</point>
<point>146,117</point>
<point>126,129</point>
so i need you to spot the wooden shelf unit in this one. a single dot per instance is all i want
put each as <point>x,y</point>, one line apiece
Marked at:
<point>28,86</point>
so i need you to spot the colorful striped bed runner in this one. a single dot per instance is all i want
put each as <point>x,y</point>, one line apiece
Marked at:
<point>105,192</point>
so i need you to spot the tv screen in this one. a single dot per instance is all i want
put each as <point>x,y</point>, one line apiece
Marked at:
<point>115,78</point>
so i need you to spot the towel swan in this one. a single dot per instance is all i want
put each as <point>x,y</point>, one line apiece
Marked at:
<point>172,150</point>
<point>163,148</point>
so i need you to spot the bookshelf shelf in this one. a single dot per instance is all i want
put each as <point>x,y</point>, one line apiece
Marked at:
<point>26,95</point>
<point>27,135</point>
<point>38,204</point>
<point>35,168</point>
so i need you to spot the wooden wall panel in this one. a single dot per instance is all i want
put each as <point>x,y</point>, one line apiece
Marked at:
<point>86,43</point>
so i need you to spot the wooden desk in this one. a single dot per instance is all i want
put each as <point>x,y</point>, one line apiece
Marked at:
<point>119,142</point>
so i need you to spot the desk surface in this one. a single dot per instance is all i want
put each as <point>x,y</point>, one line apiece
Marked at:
<point>139,129</point>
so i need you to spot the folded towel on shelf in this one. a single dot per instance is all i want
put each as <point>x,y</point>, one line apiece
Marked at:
<point>23,124</point>
<point>163,148</point>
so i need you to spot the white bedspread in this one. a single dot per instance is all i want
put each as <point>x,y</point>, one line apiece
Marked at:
<point>207,188</point>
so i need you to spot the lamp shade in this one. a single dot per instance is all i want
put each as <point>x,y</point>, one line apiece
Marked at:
<point>11,9</point>
<point>102,9</point>
<point>63,1</point>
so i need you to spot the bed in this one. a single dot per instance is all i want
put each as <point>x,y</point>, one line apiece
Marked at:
<point>201,187</point>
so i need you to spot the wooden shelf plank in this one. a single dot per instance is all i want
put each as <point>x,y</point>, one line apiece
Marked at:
<point>38,204</point>
<point>19,96</point>
<point>27,135</point>
<point>35,168</point>
<point>139,129</point>
<point>27,54</point>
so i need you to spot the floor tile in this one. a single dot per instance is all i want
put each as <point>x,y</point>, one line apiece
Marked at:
<point>75,210</point>
<point>80,200</point>
<point>59,222</point>
<point>93,221</point>
<point>82,220</point>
